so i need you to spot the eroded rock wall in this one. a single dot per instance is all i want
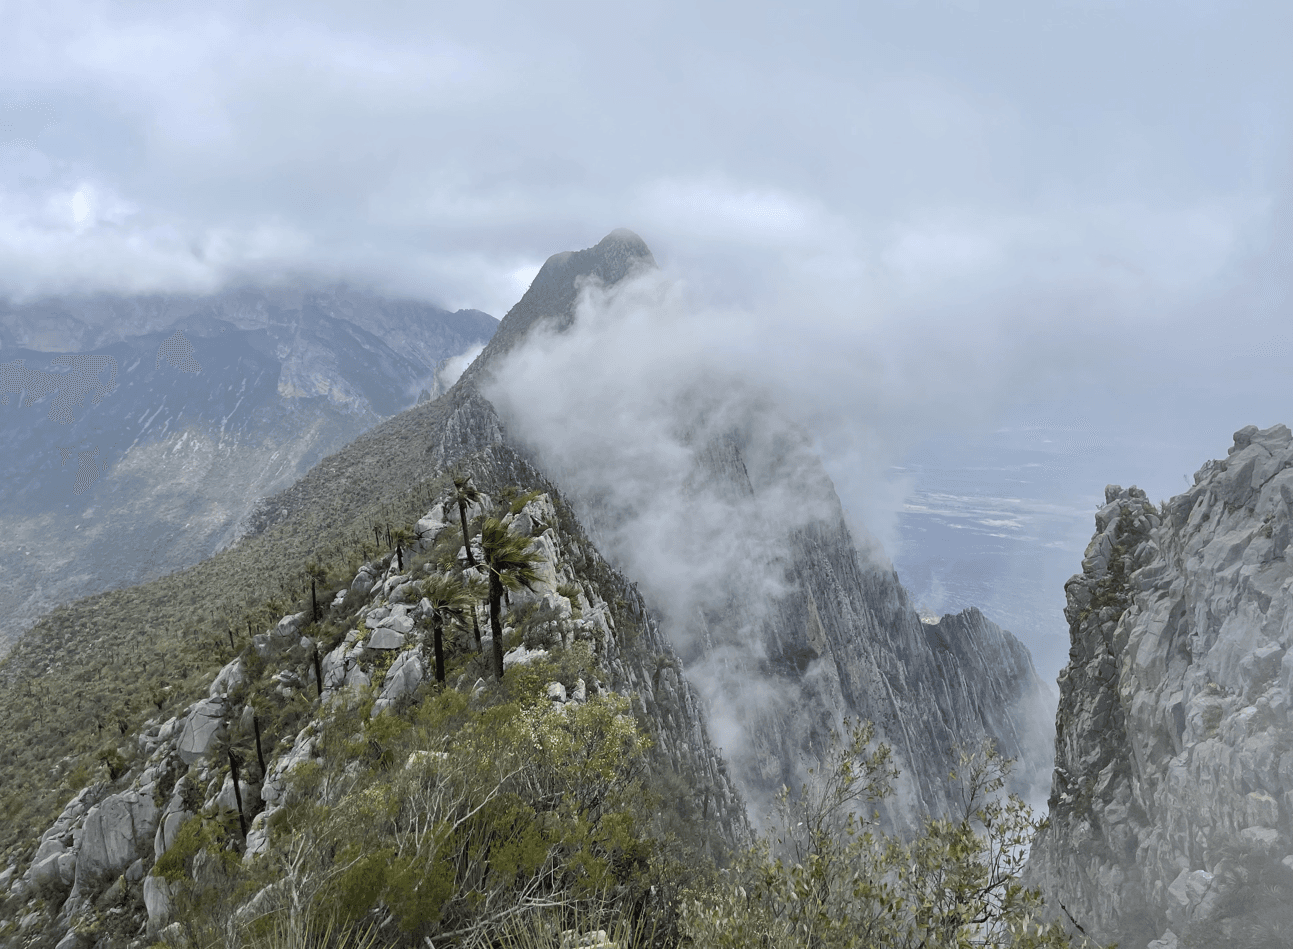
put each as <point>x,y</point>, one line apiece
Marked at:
<point>1171,810</point>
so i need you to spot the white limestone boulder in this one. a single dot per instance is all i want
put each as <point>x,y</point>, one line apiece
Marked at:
<point>521,656</point>
<point>157,901</point>
<point>229,678</point>
<point>384,637</point>
<point>404,676</point>
<point>203,725</point>
<point>115,832</point>
<point>364,580</point>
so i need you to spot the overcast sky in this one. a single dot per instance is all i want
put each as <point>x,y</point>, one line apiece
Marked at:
<point>963,218</point>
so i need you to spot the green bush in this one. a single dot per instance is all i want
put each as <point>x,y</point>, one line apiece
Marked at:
<point>829,879</point>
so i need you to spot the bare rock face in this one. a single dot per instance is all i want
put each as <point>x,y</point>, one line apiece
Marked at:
<point>786,628</point>
<point>1171,810</point>
<point>202,728</point>
<point>116,832</point>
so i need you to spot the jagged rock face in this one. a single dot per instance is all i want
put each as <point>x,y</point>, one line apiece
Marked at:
<point>783,626</point>
<point>842,639</point>
<point>1171,817</point>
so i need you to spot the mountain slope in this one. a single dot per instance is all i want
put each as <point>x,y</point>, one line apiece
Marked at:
<point>719,507</point>
<point>831,637</point>
<point>1170,810</point>
<point>110,863</point>
<point>157,460</point>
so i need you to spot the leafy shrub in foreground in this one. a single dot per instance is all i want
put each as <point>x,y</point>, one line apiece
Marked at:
<point>830,880</point>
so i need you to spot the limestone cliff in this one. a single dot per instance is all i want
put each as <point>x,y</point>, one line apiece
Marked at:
<point>1171,818</point>
<point>783,625</point>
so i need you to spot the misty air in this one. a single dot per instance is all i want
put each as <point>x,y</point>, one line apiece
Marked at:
<point>646,477</point>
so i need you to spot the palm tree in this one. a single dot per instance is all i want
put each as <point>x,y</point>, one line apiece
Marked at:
<point>402,536</point>
<point>508,561</point>
<point>314,570</point>
<point>464,493</point>
<point>477,590</point>
<point>449,600</point>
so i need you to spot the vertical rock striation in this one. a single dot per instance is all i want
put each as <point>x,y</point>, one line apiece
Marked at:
<point>784,627</point>
<point>1171,813</point>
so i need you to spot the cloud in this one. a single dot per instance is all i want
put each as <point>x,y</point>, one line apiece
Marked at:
<point>435,153</point>
<point>906,218</point>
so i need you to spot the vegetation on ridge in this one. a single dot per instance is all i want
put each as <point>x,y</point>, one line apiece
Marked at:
<point>481,813</point>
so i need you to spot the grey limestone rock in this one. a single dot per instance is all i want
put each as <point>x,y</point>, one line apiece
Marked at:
<point>230,677</point>
<point>363,581</point>
<point>202,726</point>
<point>520,656</point>
<point>1173,779</point>
<point>404,676</point>
<point>157,902</point>
<point>115,832</point>
<point>386,637</point>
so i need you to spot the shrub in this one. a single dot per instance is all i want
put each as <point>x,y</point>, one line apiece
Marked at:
<point>830,880</point>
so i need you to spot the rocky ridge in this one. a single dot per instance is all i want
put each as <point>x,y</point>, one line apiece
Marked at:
<point>92,868</point>
<point>844,638</point>
<point>1171,810</point>
<point>840,639</point>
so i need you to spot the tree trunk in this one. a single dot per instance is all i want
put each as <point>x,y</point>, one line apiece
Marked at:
<point>399,558</point>
<point>237,793</point>
<point>466,538</point>
<point>437,626</point>
<point>260,754</point>
<point>318,672</point>
<point>495,621</point>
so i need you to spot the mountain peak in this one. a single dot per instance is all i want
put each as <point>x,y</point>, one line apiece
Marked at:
<point>555,290</point>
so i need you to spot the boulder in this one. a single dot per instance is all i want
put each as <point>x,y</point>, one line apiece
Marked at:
<point>230,677</point>
<point>407,592</point>
<point>67,868</point>
<point>274,788</point>
<point>363,581</point>
<point>227,799</point>
<point>114,834</point>
<point>46,871</point>
<point>202,726</point>
<point>397,619</point>
<point>357,678</point>
<point>258,834</point>
<point>50,845</point>
<point>288,630</point>
<point>521,656</point>
<point>157,901</point>
<point>73,940</point>
<point>386,638</point>
<point>167,828</point>
<point>428,529</point>
<point>404,675</point>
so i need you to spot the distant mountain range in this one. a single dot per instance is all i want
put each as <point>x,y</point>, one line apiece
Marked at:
<point>137,434</point>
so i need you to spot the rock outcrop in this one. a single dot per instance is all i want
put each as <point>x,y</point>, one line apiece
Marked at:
<point>104,840</point>
<point>1171,810</point>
